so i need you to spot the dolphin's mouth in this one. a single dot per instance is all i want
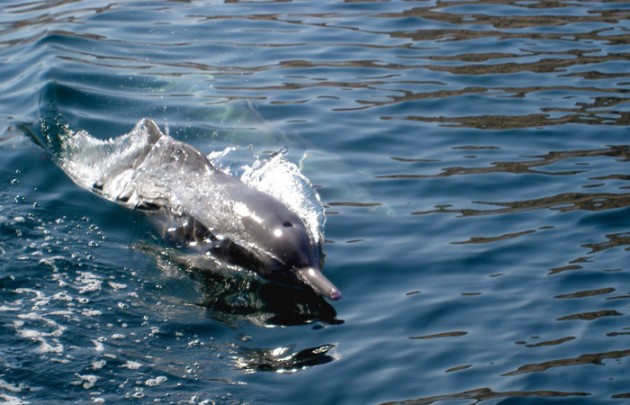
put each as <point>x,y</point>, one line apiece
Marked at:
<point>314,278</point>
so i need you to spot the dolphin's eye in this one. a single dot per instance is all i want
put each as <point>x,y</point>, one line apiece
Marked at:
<point>287,224</point>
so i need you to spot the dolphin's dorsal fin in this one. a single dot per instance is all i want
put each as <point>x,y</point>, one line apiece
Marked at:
<point>152,129</point>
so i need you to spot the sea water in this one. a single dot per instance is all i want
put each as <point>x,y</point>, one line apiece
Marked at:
<point>472,158</point>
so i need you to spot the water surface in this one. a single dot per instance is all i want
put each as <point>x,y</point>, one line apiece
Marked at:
<point>473,160</point>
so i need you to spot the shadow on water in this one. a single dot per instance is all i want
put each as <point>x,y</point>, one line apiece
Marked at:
<point>234,296</point>
<point>237,297</point>
<point>264,304</point>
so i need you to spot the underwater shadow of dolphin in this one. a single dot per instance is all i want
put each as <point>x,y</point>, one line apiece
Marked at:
<point>199,208</point>
<point>232,299</point>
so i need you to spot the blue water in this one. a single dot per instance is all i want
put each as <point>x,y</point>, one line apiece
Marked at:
<point>473,158</point>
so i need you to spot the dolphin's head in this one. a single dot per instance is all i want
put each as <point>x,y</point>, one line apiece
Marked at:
<point>286,254</point>
<point>270,240</point>
<point>280,248</point>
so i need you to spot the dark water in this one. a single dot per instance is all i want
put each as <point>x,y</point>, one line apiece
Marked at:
<point>473,158</point>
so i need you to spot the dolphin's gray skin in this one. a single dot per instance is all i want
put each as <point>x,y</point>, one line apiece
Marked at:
<point>197,206</point>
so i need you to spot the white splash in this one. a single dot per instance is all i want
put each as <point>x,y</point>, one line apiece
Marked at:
<point>87,381</point>
<point>154,382</point>
<point>283,180</point>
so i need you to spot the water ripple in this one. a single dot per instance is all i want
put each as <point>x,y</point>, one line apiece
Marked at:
<point>483,394</point>
<point>591,358</point>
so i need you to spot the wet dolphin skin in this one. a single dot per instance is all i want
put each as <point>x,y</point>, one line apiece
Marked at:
<point>196,205</point>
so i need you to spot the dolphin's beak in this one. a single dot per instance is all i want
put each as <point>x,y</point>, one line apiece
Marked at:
<point>314,278</point>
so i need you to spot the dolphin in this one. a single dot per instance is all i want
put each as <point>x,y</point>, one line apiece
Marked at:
<point>196,206</point>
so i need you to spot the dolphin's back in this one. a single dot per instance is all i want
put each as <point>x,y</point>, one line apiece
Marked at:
<point>178,186</point>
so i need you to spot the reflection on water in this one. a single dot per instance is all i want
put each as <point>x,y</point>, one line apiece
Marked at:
<point>483,394</point>
<point>586,293</point>
<point>231,300</point>
<point>560,202</point>
<point>552,342</point>
<point>234,296</point>
<point>614,240</point>
<point>622,152</point>
<point>440,335</point>
<point>282,359</point>
<point>589,316</point>
<point>595,358</point>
